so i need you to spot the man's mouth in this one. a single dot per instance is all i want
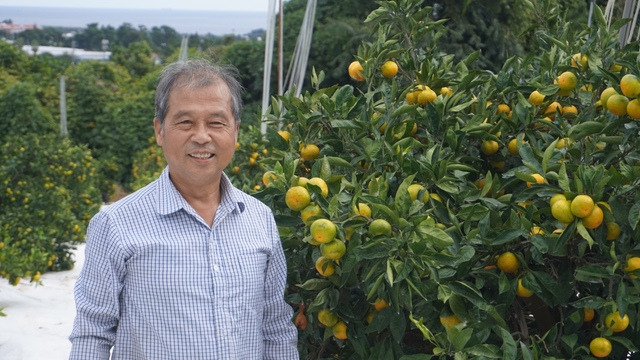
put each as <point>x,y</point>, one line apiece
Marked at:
<point>202,156</point>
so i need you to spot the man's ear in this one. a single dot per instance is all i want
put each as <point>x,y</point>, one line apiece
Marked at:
<point>157,129</point>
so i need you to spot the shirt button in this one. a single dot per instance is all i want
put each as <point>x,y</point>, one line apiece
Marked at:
<point>216,268</point>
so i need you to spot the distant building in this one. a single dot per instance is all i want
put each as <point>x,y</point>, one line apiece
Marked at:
<point>16,28</point>
<point>76,54</point>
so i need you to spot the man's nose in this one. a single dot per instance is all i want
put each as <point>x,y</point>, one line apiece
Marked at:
<point>201,133</point>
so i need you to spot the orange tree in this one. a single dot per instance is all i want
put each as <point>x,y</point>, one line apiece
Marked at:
<point>419,228</point>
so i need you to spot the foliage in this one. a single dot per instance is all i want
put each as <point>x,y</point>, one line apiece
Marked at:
<point>49,193</point>
<point>440,259</point>
<point>147,166</point>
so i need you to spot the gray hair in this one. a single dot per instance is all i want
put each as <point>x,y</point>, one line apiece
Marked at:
<point>196,74</point>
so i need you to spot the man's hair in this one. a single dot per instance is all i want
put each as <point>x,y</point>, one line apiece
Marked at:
<point>196,74</point>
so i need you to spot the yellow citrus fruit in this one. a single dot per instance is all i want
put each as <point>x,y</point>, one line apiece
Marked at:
<point>389,69</point>
<point>340,330</point>
<point>536,98</point>
<point>489,147</point>
<point>309,212</point>
<point>16,281</point>
<point>514,146</point>
<point>536,230</point>
<point>570,111</point>
<point>267,177</point>
<point>550,111</point>
<point>333,250</point>
<point>582,205</point>
<point>561,211</point>
<point>236,169</point>
<point>539,180</point>
<point>555,198</point>
<point>616,322</point>
<point>435,197</point>
<point>370,315</point>
<point>563,143</point>
<point>579,61</point>
<point>362,209</point>
<point>600,347</point>
<point>414,190</point>
<point>355,71</point>
<point>567,81</point>
<point>504,109</point>
<point>630,85</point>
<point>327,318</point>
<point>633,109</point>
<point>615,67</point>
<point>606,94</point>
<point>613,231</point>
<point>324,189</point>
<point>303,181</point>
<point>323,230</point>
<point>380,304</point>
<point>589,314</point>
<point>449,321</point>
<point>309,152</point>
<point>633,263</point>
<point>380,227</point>
<point>426,96</point>
<point>297,198</point>
<point>508,263</point>
<point>523,291</point>
<point>617,104</point>
<point>325,267</point>
<point>446,91</point>
<point>594,219</point>
<point>412,97</point>
<point>285,135</point>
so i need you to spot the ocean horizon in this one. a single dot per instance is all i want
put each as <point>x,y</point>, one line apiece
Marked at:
<point>183,21</point>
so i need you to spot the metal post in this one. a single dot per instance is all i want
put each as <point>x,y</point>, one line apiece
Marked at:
<point>63,108</point>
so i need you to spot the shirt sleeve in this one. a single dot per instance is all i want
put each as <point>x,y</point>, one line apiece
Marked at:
<point>97,292</point>
<point>280,334</point>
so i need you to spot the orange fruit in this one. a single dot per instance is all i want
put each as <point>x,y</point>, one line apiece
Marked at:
<point>285,135</point>
<point>523,291</point>
<point>539,180</point>
<point>504,109</point>
<point>370,315</point>
<point>630,85</point>
<point>297,198</point>
<point>594,219</point>
<point>570,111</point>
<point>380,227</point>
<point>412,97</point>
<point>327,318</point>
<point>606,94</point>
<point>426,96</point>
<point>617,104</point>
<point>582,205</point>
<point>489,147</point>
<point>362,209</point>
<point>267,177</point>
<point>633,109</point>
<point>579,61</point>
<point>555,198</point>
<point>550,111</point>
<point>324,189</point>
<point>615,322</point>
<point>309,212</point>
<point>633,263</point>
<point>333,250</point>
<point>508,263</point>
<point>536,98</point>
<point>567,81</point>
<point>380,304</point>
<point>309,152</point>
<point>355,71</point>
<point>561,211</point>
<point>514,145</point>
<point>414,190</point>
<point>613,231</point>
<point>600,347</point>
<point>325,266</point>
<point>446,91</point>
<point>340,330</point>
<point>563,143</point>
<point>449,321</point>
<point>389,69</point>
<point>323,231</point>
<point>589,314</point>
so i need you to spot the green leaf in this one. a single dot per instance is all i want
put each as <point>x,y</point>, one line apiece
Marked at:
<point>634,216</point>
<point>547,155</point>
<point>509,347</point>
<point>433,235</point>
<point>459,338</point>
<point>529,159</point>
<point>398,326</point>
<point>592,273</point>
<point>563,179</point>
<point>315,284</point>
<point>584,233</point>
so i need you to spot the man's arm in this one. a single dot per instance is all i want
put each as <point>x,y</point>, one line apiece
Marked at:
<point>280,334</point>
<point>97,292</point>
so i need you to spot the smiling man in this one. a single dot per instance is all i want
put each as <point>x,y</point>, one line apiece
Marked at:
<point>188,267</point>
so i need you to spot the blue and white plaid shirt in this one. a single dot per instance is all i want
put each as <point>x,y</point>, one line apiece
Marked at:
<point>159,283</point>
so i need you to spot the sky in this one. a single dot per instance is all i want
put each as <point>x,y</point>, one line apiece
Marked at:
<point>220,5</point>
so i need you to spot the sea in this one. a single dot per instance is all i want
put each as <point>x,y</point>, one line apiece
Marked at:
<point>190,22</point>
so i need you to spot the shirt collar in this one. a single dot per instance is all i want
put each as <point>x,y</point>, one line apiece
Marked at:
<point>170,200</point>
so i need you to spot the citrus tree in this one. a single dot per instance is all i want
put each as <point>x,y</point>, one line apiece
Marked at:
<point>435,211</point>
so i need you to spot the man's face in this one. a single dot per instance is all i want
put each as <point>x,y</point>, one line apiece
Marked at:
<point>199,134</point>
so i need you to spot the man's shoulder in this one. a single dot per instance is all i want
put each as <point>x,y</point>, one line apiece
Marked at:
<point>137,200</point>
<point>249,201</point>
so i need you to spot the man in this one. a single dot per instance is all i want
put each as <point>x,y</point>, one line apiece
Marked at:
<point>188,267</point>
